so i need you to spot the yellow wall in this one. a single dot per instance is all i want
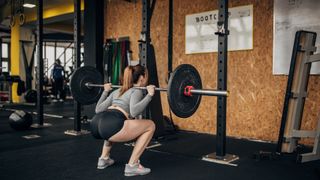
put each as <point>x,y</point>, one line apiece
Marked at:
<point>15,57</point>
<point>55,11</point>
<point>18,33</point>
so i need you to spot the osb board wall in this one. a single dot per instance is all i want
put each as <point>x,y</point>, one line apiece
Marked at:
<point>255,104</point>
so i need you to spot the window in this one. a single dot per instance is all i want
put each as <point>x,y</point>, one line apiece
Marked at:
<point>60,55</point>
<point>50,58</point>
<point>5,53</point>
<point>69,58</point>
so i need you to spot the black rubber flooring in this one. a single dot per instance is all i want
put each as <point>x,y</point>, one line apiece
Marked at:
<point>55,155</point>
<point>63,109</point>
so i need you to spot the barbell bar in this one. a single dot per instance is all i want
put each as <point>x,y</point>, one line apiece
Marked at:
<point>207,92</point>
<point>184,90</point>
<point>118,86</point>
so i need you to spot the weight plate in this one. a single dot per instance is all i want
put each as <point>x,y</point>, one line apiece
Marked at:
<point>181,105</point>
<point>80,92</point>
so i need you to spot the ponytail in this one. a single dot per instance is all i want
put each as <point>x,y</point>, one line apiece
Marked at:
<point>131,76</point>
<point>127,80</point>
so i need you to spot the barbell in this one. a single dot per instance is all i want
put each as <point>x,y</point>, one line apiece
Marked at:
<point>184,89</point>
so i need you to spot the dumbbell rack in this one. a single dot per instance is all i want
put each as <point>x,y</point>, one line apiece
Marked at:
<point>296,93</point>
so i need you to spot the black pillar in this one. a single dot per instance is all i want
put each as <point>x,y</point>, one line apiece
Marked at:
<point>145,33</point>
<point>170,41</point>
<point>77,43</point>
<point>39,62</point>
<point>94,33</point>
<point>1,86</point>
<point>0,55</point>
<point>222,77</point>
<point>148,59</point>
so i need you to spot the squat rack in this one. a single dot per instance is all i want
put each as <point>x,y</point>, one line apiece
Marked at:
<point>148,59</point>
<point>146,49</point>
<point>220,156</point>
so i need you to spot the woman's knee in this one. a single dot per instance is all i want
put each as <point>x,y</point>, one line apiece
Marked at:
<point>152,126</point>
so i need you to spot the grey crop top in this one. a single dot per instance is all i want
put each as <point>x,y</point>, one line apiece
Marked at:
<point>132,101</point>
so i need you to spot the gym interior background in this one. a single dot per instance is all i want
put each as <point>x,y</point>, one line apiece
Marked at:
<point>255,105</point>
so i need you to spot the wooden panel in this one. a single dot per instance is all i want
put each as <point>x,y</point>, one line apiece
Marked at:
<point>256,99</point>
<point>124,19</point>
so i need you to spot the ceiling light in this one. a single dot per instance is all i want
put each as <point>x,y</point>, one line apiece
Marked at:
<point>27,5</point>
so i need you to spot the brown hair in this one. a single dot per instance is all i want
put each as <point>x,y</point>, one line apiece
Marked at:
<point>131,76</point>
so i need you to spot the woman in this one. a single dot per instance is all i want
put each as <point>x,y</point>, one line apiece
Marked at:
<point>119,125</point>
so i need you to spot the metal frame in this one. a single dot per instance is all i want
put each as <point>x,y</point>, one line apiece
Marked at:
<point>170,40</point>
<point>300,94</point>
<point>40,69</point>
<point>315,154</point>
<point>145,39</point>
<point>288,93</point>
<point>94,33</point>
<point>77,47</point>
<point>296,93</point>
<point>77,32</point>
<point>222,33</point>
<point>145,33</point>
<point>96,50</point>
<point>40,62</point>
<point>0,54</point>
<point>220,155</point>
<point>147,59</point>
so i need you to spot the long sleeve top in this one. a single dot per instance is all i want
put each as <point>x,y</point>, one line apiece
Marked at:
<point>132,101</point>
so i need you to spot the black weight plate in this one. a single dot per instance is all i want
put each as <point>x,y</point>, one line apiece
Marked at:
<point>31,96</point>
<point>181,105</point>
<point>80,92</point>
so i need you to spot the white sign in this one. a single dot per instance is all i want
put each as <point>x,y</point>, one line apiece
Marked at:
<point>291,16</point>
<point>201,28</point>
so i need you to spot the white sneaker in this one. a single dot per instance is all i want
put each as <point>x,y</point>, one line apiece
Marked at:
<point>54,100</point>
<point>136,169</point>
<point>61,100</point>
<point>103,163</point>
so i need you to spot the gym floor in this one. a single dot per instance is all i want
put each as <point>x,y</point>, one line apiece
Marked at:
<point>55,155</point>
